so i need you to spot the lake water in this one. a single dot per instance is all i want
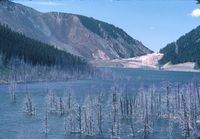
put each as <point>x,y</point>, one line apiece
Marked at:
<point>16,124</point>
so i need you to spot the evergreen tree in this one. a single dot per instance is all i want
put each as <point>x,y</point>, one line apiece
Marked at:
<point>15,45</point>
<point>185,49</point>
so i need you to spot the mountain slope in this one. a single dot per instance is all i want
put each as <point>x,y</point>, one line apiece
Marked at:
<point>185,49</point>
<point>16,46</point>
<point>79,35</point>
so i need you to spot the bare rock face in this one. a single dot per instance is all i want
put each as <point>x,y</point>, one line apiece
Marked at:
<point>79,35</point>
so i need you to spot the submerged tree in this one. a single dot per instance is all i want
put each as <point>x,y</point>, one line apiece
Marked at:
<point>12,90</point>
<point>99,114</point>
<point>46,126</point>
<point>74,114</point>
<point>29,106</point>
<point>129,114</point>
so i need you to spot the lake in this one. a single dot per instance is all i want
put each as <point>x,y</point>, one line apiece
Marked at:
<point>15,123</point>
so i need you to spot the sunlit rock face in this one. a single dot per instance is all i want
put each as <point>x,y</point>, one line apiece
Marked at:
<point>79,35</point>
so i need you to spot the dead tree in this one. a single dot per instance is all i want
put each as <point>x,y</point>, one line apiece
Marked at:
<point>186,128</point>
<point>12,89</point>
<point>168,104</point>
<point>46,130</point>
<point>99,116</point>
<point>61,106</point>
<point>53,103</point>
<point>29,107</point>
<point>146,120</point>
<point>115,126</point>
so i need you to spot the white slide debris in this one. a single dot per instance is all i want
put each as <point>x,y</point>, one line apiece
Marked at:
<point>149,61</point>
<point>187,66</point>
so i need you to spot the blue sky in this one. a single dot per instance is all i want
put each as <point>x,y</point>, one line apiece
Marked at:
<point>153,22</point>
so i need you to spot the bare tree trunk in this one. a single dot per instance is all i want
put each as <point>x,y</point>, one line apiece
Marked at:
<point>80,119</point>
<point>99,119</point>
<point>168,105</point>
<point>61,107</point>
<point>186,119</point>
<point>46,123</point>
<point>69,101</point>
<point>146,120</point>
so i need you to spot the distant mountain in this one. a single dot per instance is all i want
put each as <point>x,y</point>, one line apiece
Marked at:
<point>79,35</point>
<point>16,46</point>
<point>185,49</point>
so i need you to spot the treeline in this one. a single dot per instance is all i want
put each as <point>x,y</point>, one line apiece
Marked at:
<point>109,31</point>
<point>185,49</point>
<point>15,45</point>
<point>100,28</point>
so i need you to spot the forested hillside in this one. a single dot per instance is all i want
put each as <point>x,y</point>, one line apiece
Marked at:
<point>25,59</point>
<point>15,45</point>
<point>185,49</point>
<point>79,35</point>
<point>108,31</point>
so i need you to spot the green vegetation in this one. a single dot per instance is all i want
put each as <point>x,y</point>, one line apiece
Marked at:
<point>100,28</point>
<point>185,49</point>
<point>16,46</point>
<point>115,35</point>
